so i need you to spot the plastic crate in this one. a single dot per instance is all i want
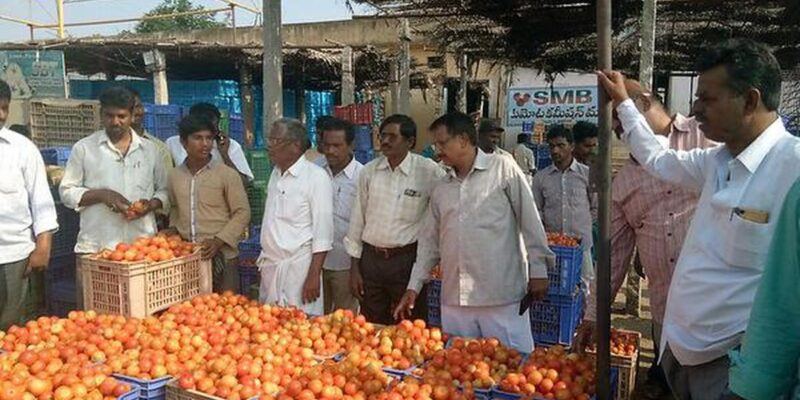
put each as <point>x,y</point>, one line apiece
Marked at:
<point>133,394</point>
<point>255,230</point>
<point>497,394</point>
<point>435,317</point>
<point>434,293</point>
<point>362,114</point>
<point>66,236</point>
<point>161,120</point>
<point>258,160</point>
<point>142,288</point>
<point>257,196</point>
<point>236,128</point>
<point>565,275</point>
<point>555,319</point>
<point>248,277</point>
<point>174,392</point>
<point>60,270</point>
<point>62,122</point>
<point>155,389</point>
<point>363,138</point>
<point>543,159</point>
<point>56,155</point>
<point>364,156</point>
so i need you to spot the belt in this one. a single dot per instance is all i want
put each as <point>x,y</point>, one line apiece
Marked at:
<point>392,252</point>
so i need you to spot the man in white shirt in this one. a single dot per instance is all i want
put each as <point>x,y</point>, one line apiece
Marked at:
<point>27,216</point>
<point>743,184</point>
<point>297,229</point>
<point>225,149</point>
<point>483,280</point>
<point>525,157</point>
<point>106,172</point>
<point>337,146</point>
<point>393,194</point>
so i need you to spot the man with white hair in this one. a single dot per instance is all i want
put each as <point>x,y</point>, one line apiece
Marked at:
<point>297,229</point>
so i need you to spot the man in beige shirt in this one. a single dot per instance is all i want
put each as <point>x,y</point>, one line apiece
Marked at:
<point>477,215</point>
<point>209,204</point>
<point>392,196</point>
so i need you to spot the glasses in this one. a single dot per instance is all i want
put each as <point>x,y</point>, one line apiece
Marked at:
<point>273,141</point>
<point>441,143</point>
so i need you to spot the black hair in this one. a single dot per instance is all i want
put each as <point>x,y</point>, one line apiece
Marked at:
<point>457,124</point>
<point>117,97</point>
<point>557,131</point>
<point>584,130</point>
<point>135,93</point>
<point>750,65</point>
<point>5,91</point>
<point>338,124</point>
<point>322,122</point>
<point>21,129</point>
<point>208,110</point>
<point>408,128</point>
<point>523,138</point>
<point>192,124</point>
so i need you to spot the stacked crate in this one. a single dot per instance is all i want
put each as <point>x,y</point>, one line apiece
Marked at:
<point>555,319</point>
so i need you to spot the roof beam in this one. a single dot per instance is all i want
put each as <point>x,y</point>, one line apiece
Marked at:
<point>242,6</point>
<point>144,18</point>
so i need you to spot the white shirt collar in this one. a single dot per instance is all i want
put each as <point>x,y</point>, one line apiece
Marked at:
<point>298,167</point>
<point>754,154</point>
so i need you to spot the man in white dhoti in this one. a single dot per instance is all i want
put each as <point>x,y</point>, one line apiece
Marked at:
<point>297,229</point>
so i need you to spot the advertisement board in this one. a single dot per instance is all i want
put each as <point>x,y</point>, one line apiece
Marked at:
<point>32,73</point>
<point>551,105</point>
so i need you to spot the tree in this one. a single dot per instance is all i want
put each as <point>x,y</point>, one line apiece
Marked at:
<point>183,23</point>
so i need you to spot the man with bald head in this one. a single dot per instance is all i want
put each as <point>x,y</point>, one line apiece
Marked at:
<point>651,216</point>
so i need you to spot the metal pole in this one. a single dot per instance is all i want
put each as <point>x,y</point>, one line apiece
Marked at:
<point>648,44</point>
<point>248,108</point>
<point>603,328</point>
<point>273,63</point>
<point>394,86</point>
<point>31,29</point>
<point>233,22</point>
<point>60,11</point>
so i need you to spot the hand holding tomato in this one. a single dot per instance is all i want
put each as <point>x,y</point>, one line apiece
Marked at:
<point>406,305</point>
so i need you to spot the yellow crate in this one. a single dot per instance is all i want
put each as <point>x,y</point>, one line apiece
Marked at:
<point>140,289</point>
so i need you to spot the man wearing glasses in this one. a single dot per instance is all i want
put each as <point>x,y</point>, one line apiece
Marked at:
<point>297,229</point>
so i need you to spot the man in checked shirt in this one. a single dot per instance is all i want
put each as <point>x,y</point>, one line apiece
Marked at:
<point>651,215</point>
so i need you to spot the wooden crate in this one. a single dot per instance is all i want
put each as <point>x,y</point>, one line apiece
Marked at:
<point>140,289</point>
<point>627,366</point>
<point>174,392</point>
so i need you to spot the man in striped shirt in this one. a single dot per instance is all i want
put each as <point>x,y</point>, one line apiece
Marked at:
<point>650,215</point>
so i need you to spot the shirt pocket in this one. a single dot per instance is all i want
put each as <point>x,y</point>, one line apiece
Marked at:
<point>412,204</point>
<point>747,243</point>
<point>13,195</point>
<point>345,197</point>
<point>293,208</point>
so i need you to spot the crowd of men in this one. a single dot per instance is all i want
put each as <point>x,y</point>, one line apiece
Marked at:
<point>699,201</point>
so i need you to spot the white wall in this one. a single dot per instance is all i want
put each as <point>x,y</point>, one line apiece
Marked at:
<point>681,93</point>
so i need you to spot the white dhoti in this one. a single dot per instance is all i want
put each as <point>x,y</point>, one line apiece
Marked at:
<point>282,282</point>
<point>501,322</point>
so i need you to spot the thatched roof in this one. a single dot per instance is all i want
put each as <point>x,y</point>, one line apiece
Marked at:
<point>559,35</point>
<point>316,69</point>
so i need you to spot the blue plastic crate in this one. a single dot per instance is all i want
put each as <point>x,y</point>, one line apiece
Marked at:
<point>497,394</point>
<point>565,275</point>
<point>236,127</point>
<point>56,155</point>
<point>555,319</point>
<point>162,121</point>
<point>543,159</point>
<point>155,389</point>
<point>434,292</point>
<point>255,231</point>
<point>133,394</point>
<point>363,138</point>
<point>248,276</point>
<point>364,156</point>
<point>434,316</point>
<point>67,235</point>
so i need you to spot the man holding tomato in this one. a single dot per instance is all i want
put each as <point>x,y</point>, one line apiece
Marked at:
<point>27,216</point>
<point>107,172</point>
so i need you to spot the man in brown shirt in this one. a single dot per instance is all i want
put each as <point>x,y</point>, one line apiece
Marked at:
<point>209,203</point>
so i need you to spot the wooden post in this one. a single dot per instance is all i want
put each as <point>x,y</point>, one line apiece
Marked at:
<point>348,81</point>
<point>647,53</point>
<point>273,63</point>
<point>603,276</point>
<point>157,63</point>
<point>464,81</point>
<point>248,106</point>
<point>31,29</point>
<point>300,95</point>
<point>404,105</point>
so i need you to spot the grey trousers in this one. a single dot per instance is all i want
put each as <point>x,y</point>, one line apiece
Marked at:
<point>13,293</point>
<point>707,381</point>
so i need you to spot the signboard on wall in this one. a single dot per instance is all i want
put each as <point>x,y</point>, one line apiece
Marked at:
<point>551,105</point>
<point>32,73</point>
